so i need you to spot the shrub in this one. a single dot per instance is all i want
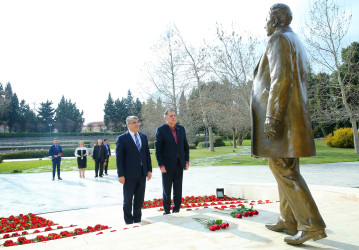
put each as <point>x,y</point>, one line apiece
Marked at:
<point>34,154</point>
<point>203,144</point>
<point>342,138</point>
<point>1,159</point>
<point>200,141</point>
<point>218,141</point>
<point>192,146</point>
<point>199,138</point>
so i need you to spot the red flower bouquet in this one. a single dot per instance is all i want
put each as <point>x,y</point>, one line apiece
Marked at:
<point>212,225</point>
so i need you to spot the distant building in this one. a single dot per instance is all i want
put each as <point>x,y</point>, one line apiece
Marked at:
<point>94,127</point>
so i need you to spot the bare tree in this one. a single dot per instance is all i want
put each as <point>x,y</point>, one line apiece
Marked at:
<point>326,28</point>
<point>233,61</point>
<point>233,118</point>
<point>196,74</point>
<point>167,72</point>
<point>152,117</point>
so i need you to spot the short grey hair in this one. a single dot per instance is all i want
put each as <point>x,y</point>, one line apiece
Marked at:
<point>282,12</point>
<point>130,118</point>
<point>168,110</point>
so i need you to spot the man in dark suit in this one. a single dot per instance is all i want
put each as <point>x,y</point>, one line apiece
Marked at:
<point>56,152</point>
<point>172,153</point>
<point>99,156</point>
<point>133,162</point>
<point>105,142</point>
<point>282,128</point>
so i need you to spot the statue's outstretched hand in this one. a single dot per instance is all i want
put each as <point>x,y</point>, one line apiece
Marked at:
<point>269,127</point>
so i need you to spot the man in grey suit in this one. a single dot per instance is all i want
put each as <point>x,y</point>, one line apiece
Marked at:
<point>282,128</point>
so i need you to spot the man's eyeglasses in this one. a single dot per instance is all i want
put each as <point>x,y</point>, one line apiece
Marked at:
<point>134,123</point>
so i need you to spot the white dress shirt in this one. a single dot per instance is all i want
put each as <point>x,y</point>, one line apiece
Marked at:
<point>138,137</point>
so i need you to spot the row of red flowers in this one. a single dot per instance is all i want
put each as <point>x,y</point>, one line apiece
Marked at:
<point>23,222</point>
<point>46,229</point>
<point>53,236</point>
<point>198,201</point>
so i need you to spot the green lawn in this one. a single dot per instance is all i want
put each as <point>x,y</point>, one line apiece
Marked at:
<point>223,156</point>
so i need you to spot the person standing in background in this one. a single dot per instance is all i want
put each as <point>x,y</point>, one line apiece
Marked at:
<point>99,157</point>
<point>56,153</point>
<point>105,141</point>
<point>81,153</point>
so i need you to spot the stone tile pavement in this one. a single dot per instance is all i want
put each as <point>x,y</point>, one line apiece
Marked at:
<point>98,201</point>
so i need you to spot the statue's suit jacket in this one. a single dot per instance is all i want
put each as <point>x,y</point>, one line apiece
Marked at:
<point>280,91</point>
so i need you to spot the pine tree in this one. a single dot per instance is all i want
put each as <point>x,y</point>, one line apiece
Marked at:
<point>109,111</point>
<point>46,116</point>
<point>68,117</point>
<point>120,111</point>
<point>130,108</point>
<point>27,118</point>
<point>137,108</point>
<point>12,109</point>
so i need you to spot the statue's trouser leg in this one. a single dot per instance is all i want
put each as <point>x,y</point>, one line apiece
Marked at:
<point>298,204</point>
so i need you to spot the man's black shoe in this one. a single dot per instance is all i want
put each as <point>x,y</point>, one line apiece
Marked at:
<point>60,179</point>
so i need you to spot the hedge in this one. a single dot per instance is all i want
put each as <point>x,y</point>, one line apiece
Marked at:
<point>34,154</point>
<point>37,134</point>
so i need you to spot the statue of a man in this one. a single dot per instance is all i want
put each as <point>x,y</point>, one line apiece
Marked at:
<point>282,128</point>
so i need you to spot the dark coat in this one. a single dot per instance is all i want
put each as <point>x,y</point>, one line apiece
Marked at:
<point>131,162</point>
<point>167,150</point>
<point>53,151</point>
<point>280,92</point>
<point>103,152</point>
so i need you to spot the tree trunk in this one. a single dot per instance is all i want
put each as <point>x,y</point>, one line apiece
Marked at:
<point>234,138</point>
<point>355,135</point>
<point>210,133</point>
<point>240,138</point>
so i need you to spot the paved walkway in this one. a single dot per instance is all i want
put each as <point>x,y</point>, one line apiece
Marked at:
<point>37,193</point>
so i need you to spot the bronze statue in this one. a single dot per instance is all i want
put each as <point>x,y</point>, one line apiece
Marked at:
<point>282,128</point>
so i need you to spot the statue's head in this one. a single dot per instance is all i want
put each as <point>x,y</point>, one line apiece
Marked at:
<point>280,15</point>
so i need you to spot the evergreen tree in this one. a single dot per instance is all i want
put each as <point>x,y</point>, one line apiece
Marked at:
<point>120,114</point>
<point>27,118</point>
<point>128,101</point>
<point>45,116</point>
<point>137,108</point>
<point>12,110</point>
<point>109,111</point>
<point>68,117</point>
<point>3,106</point>
<point>182,108</point>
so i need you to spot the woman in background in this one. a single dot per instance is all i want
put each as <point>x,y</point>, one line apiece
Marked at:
<point>81,153</point>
